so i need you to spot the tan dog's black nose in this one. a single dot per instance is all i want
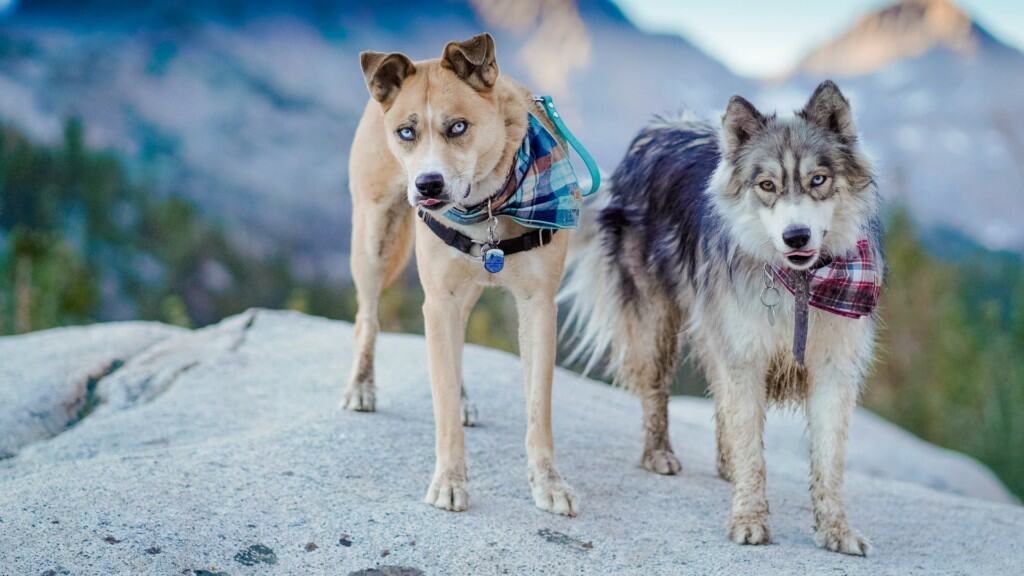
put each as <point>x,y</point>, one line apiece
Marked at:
<point>430,184</point>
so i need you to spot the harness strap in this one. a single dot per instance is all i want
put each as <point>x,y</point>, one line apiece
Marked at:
<point>466,245</point>
<point>588,160</point>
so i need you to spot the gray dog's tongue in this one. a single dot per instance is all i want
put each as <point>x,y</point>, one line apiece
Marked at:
<point>802,294</point>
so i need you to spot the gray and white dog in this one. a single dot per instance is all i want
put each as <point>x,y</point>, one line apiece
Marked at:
<point>699,225</point>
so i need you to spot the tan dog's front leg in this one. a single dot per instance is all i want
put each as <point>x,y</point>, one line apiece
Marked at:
<point>742,400</point>
<point>444,322</point>
<point>829,407</point>
<point>537,327</point>
<point>470,415</point>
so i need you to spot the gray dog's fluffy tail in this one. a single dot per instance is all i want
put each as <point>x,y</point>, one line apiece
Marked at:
<point>590,291</point>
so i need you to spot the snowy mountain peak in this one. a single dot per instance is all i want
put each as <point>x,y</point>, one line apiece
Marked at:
<point>907,29</point>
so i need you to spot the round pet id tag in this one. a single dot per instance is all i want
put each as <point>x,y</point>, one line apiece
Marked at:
<point>494,260</point>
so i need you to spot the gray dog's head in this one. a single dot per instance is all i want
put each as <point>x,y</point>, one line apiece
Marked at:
<point>796,188</point>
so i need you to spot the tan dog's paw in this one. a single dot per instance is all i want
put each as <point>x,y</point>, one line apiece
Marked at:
<point>843,539</point>
<point>661,462</point>
<point>448,493</point>
<point>360,397</point>
<point>749,531</point>
<point>550,493</point>
<point>556,497</point>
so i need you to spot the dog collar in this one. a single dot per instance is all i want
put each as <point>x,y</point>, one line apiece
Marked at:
<point>467,245</point>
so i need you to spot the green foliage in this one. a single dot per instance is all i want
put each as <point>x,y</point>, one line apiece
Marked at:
<point>79,242</point>
<point>951,355</point>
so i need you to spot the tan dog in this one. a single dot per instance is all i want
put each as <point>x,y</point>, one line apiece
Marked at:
<point>439,133</point>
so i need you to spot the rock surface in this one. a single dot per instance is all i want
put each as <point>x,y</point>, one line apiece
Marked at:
<point>48,379</point>
<point>222,451</point>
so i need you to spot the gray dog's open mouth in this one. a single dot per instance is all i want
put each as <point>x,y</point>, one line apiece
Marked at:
<point>801,258</point>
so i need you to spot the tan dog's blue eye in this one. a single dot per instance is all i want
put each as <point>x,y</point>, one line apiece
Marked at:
<point>767,186</point>
<point>457,129</point>
<point>407,134</point>
<point>818,180</point>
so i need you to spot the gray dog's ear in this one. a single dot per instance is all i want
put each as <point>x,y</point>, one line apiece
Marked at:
<point>829,109</point>
<point>384,74</point>
<point>473,60</point>
<point>740,123</point>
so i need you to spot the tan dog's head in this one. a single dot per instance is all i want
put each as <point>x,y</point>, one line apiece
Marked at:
<point>442,121</point>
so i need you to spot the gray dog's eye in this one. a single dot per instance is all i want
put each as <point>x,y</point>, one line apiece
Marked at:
<point>818,180</point>
<point>407,134</point>
<point>458,128</point>
<point>767,185</point>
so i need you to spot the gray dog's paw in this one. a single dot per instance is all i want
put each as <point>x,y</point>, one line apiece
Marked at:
<point>842,539</point>
<point>661,462</point>
<point>750,531</point>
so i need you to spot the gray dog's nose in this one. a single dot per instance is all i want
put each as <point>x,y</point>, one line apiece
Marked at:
<point>430,184</point>
<point>796,236</point>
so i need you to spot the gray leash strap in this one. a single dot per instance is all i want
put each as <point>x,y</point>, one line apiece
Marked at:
<point>802,295</point>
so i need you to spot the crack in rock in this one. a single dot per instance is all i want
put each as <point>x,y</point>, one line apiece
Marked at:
<point>244,333</point>
<point>84,404</point>
<point>140,376</point>
<point>78,403</point>
<point>151,375</point>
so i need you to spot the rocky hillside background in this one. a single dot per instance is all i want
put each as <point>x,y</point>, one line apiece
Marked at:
<point>248,108</point>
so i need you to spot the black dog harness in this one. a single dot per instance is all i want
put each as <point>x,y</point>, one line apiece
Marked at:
<point>466,245</point>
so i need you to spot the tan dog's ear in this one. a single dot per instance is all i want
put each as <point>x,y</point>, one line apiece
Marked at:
<point>740,123</point>
<point>473,60</point>
<point>384,74</point>
<point>829,109</point>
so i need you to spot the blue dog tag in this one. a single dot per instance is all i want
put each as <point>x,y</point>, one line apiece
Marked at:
<point>494,260</point>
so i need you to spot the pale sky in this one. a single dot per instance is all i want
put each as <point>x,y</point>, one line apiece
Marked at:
<point>761,38</point>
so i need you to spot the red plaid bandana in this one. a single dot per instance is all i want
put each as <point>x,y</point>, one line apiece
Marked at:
<point>849,285</point>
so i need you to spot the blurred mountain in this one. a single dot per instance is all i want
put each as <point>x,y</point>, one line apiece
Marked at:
<point>941,102</point>
<point>908,29</point>
<point>248,107</point>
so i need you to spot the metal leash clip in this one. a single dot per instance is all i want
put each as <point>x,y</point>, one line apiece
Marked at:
<point>493,257</point>
<point>770,296</point>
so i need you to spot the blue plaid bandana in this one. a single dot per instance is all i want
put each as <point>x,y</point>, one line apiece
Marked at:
<point>541,191</point>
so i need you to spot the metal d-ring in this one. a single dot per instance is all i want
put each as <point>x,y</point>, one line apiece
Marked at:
<point>770,296</point>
